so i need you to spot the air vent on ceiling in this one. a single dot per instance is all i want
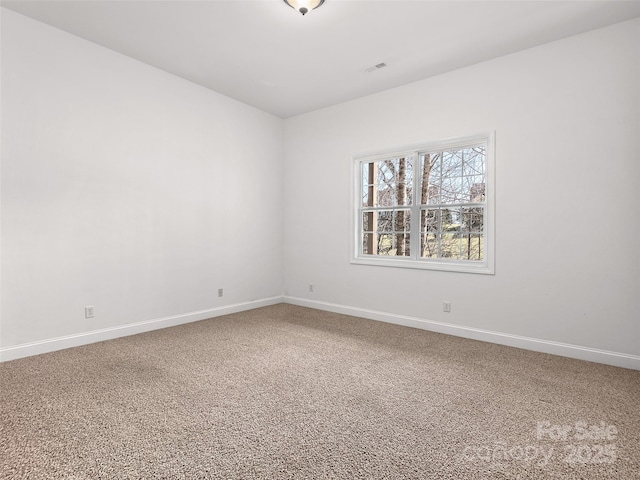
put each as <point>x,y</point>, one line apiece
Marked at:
<point>376,67</point>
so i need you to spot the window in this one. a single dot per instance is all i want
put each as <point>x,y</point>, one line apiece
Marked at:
<point>429,207</point>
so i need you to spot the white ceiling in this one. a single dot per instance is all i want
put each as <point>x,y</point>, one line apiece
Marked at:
<point>265,54</point>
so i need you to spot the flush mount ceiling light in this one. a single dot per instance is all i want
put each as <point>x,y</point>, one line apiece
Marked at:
<point>304,6</point>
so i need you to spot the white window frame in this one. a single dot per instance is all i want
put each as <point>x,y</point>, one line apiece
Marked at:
<point>485,266</point>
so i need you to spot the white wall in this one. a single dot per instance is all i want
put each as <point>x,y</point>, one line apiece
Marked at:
<point>567,123</point>
<point>135,191</point>
<point>129,189</point>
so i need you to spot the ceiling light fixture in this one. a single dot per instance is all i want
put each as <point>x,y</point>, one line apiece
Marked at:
<point>304,6</point>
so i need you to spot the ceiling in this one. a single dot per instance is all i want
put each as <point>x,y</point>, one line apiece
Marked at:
<point>266,54</point>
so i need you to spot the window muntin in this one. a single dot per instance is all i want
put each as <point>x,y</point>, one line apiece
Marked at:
<point>427,208</point>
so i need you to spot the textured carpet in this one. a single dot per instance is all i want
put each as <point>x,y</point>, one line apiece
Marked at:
<point>289,392</point>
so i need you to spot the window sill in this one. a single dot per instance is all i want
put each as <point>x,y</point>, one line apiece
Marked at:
<point>438,265</point>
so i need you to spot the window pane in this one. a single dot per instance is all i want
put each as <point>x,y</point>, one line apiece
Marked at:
<point>472,247</point>
<point>387,183</point>
<point>432,177</point>
<point>456,176</point>
<point>430,246</point>
<point>474,161</point>
<point>450,220</point>
<point>367,196</point>
<point>451,164</point>
<point>429,232</point>
<point>386,232</point>
<point>475,186</point>
<point>406,241</point>
<point>402,224</point>
<point>367,221</point>
<point>368,244</point>
<point>450,245</point>
<point>451,190</point>
<point>385,244</point>
<point>387,197</point>
<point>393,244</point>
<point>431,220</point>
<point>452,233</point>
<point>385,221</point>
<point>472,220</point>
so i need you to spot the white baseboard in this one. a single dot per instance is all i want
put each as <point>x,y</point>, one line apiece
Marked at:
<point>544,346</point>
<point>59,343</point>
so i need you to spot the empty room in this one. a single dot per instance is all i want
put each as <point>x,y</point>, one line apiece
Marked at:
<point>306,239</point>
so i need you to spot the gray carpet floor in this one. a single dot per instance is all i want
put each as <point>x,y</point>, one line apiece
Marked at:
<point>285,392</point>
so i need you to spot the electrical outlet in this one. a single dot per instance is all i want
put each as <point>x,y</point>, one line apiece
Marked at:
<point>220,292</point>
<point>88,311</point>
<point>446,307</point>
<point>311,288</point>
